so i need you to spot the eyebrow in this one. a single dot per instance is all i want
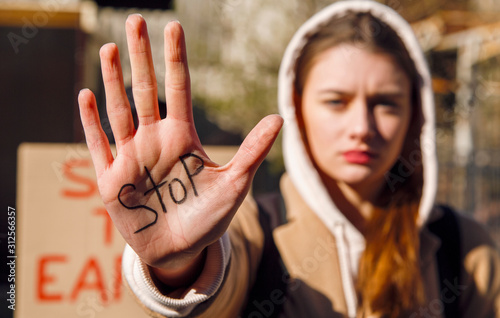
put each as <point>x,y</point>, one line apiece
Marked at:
<point>389,94</point>
<point>334,91</point>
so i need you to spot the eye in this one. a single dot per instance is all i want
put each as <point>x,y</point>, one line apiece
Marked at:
<point>338,102</point>
<point>386,103</point>
<point>390,104</point>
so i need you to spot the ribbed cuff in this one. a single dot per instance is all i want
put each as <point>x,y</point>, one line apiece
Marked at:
<point>140,282</point>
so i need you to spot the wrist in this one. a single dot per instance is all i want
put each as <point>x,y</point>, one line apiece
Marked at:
<point>181,276</point>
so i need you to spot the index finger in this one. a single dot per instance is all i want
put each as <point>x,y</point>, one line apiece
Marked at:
<point>177,81</point>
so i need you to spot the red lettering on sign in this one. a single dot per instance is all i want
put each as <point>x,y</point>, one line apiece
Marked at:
<point>70,174</point>
<point>44,278</point>
<point>117,284</point>
<point>108,225</point>
<point>90,278</point>
<point>83,283</point>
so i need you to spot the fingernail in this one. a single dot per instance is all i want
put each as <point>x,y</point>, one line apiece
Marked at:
<point>82,92</point>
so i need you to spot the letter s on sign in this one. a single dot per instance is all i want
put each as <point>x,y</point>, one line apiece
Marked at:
<point>69,173</point>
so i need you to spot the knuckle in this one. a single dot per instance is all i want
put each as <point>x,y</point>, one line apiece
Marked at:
<point>144,86</point>
<point>118,109</point>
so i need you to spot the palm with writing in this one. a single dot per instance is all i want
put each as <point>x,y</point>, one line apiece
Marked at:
<point>165,196</point>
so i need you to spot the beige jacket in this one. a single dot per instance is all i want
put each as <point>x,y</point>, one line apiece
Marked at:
<point>318,245</point>
<point>311,255</point>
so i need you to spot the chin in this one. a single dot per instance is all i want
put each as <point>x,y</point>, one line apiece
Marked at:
<point>353,175</point>
<point>356,181</point>
<point>360,178</point>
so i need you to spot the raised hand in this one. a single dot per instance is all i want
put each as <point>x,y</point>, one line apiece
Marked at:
<point>164,195</point>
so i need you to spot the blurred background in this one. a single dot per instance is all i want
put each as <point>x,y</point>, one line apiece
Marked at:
<point>49,51</point>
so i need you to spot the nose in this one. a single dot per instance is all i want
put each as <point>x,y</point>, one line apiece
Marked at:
<point>363,125</point>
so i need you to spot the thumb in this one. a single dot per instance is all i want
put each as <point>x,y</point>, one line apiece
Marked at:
<point>255,147</point>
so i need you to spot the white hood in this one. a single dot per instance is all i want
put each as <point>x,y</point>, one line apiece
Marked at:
<point>297,162</point>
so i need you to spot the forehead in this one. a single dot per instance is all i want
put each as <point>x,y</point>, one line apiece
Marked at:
<point>351,68</point>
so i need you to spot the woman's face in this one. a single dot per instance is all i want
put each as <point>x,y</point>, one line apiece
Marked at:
<point>356,109</point>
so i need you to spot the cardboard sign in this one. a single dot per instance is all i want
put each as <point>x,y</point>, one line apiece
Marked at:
<point>68,251</point>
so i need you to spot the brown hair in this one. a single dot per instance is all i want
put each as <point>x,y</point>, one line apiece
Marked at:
<point>389,281</point>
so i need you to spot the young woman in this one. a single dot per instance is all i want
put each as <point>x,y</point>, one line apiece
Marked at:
<point>361,237</point>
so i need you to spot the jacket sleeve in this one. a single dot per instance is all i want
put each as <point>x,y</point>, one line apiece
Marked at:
<point>480,292</point>
<point>221,289</point>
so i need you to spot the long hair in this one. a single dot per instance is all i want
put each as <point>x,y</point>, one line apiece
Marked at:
<point>389,282</point>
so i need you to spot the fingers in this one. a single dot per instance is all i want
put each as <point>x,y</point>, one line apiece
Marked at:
<point>97,141</point>
<point>117,104</point>
<point>177,82</point>
<point>256,146</point>
<point>144,85</point>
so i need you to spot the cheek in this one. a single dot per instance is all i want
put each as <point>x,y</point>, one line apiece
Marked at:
<point>393,132</point>
<point>322,136</point>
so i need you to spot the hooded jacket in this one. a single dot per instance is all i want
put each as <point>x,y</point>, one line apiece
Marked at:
<point>318,245</point>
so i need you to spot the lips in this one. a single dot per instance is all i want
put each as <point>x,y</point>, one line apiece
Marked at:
<point>358,156</point>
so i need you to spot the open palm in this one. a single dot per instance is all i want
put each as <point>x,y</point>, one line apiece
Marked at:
<point>165,196</point>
